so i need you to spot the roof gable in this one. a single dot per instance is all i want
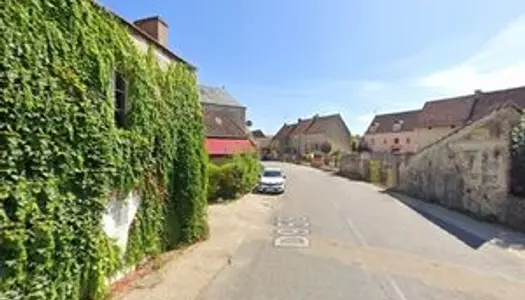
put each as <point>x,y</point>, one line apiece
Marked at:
<point>324,124</point>
<point>302,126</point>
<point>258,134</point>
<point>490,101</point>
<point>405,121</point>
<point>217,95</point>
<point>284,132</point>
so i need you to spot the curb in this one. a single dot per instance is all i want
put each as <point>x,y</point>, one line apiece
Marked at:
<point>428,210</point>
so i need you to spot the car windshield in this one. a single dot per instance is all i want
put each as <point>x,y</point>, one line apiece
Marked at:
<point>272,174</point>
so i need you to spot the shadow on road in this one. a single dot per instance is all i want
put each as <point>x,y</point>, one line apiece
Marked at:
<point>472,233</point>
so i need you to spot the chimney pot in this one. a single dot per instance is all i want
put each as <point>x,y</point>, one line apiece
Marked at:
<point>154,27</point>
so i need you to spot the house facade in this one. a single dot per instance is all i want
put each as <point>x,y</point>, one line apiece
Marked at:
<point>262,142</point>
<point>307,135</point>
<point>436,120</point>
<point>224,120</point>
<point>392,132</point>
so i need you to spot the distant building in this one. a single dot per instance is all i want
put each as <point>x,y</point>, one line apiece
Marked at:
<point>262,142</point>
<point>224,120</point>
<point>411,131</point>
<point>392,132</point>
<point>307,135</point>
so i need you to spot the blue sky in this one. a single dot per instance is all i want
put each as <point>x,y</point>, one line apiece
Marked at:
<point>290,59</point>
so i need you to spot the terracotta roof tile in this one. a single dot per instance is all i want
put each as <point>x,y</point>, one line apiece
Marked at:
<point>385,123</point>
<point>453,111</point>
<point>323,123</point>
<point>489,101</point>
<point>284,132</point>
<point>302,126</point>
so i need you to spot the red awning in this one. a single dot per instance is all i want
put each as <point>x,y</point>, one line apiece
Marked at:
<point>218,146</point>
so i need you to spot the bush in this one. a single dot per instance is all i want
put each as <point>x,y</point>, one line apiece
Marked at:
<point>374,171</point>
<point>236,177</point>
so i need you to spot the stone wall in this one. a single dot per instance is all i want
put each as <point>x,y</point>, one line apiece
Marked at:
<point>468,170</point>
<point>371,167</point>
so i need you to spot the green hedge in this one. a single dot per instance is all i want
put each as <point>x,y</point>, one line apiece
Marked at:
<point>233,178</point>
<point>62,155</point>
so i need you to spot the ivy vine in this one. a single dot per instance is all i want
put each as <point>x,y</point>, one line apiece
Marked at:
<point>63,157</point>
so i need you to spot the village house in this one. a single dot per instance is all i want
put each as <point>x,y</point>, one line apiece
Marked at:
<point>262,143</point>
<point>307,135</point>
<point>392,132</point>
<point>225,123</point>
<point>412,131</point>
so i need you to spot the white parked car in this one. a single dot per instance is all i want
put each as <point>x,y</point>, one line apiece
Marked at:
<point>272,180</point>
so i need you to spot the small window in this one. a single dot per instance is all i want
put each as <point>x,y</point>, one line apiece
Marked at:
<point>408,140</point>
<point>396,141</point>
<point>374,127</point>
<point>119,87</point>
<point>385,141</point>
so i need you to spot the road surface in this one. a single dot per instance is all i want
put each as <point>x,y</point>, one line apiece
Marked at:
<point>332,238</point>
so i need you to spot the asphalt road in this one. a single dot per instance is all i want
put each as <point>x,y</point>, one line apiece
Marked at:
<point>332,238</point>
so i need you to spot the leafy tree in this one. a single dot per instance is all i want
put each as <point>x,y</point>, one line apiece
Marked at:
<point>326,147</point>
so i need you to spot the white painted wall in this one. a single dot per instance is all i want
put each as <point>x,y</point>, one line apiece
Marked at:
<point>118,217</point>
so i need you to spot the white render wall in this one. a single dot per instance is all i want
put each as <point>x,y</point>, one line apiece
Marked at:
<point>118,217</point>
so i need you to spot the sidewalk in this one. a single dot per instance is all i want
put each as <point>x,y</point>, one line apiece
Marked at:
<point>186,273</point>
<point>468,229</point>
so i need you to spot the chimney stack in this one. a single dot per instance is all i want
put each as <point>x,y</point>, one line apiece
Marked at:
<point>154,27</point>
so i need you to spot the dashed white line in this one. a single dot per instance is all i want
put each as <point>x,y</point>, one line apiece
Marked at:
<point>363,241</point>
<point>396,288</point>
<point>356,232</point>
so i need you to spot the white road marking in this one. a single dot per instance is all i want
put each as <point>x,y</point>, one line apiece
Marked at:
<point>363,241</point>
<point>396,288</point>
<point>356,232</point>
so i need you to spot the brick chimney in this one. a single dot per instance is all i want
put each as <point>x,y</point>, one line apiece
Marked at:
<point>155,27</point>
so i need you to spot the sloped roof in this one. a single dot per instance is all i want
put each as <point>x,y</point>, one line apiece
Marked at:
<point>489,101</point>
<point>135,29</point>
<point>323,123</point>
<point>302,126</point>
<point>284,132</point>
<point>385,123</point>
<point>258,134</point>
<point>217,95</point>
<point>219,124</point>
<point>453,111</point>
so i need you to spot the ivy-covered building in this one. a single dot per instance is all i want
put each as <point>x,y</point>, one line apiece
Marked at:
<point>97,113</point>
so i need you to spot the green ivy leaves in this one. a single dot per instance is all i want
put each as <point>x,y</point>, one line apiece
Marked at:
<point>61,155</point>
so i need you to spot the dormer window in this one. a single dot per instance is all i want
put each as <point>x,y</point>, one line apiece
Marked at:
<point>374,127</point>
<point>398,125</point>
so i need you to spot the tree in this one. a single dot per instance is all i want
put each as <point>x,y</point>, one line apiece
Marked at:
<point>355,142</point>
<point>326,147</point>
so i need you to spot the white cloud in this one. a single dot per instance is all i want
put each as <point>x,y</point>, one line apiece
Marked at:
<point>499,64</point>
<point>366,118</point>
